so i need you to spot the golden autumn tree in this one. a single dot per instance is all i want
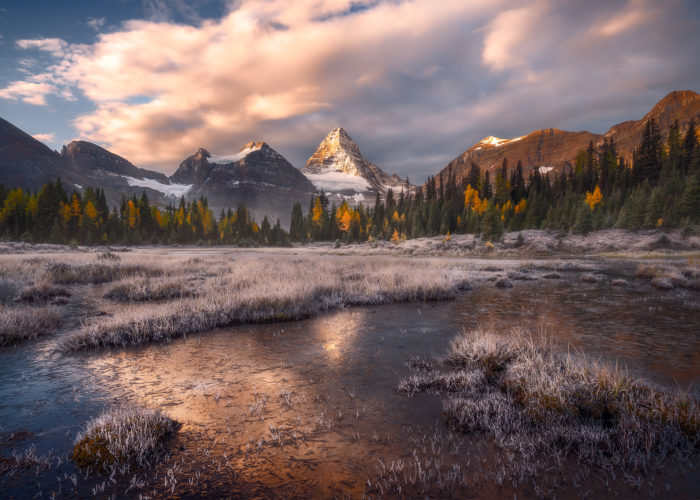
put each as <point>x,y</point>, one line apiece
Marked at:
<point>132,214</point>
<point>90,214</point>
<point>473,202</point>
<point>317,214</point>
<point>594,199</point>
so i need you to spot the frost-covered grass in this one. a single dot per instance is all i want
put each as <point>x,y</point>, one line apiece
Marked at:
<point>256,289</point>
<point>543,408</point>
<point>21,323</point>
<point>42,292</point>
<point>668,276</point>
<point>126,435</point>
<point>68,274</point>
<point>149,290</point>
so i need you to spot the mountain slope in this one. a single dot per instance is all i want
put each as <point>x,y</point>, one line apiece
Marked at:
<point>117,176</point>
<point>257,175</point>
<point>26,162</point>
<point>338,168</point>
<point>553,149</point>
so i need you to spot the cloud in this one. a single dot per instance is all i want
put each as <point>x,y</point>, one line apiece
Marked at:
<point>27,91</point>
<point>48,137</point>
<point>54,46</point>
<point>414,82</point>
<point>95,23</point>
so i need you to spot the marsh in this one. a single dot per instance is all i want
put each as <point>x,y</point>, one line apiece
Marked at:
<point>297,393</point>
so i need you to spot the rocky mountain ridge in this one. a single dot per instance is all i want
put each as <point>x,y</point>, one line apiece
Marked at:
<point>257,175</point>
<point>552,149</point>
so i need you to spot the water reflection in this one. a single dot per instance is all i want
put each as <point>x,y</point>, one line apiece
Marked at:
<point>308,408</point>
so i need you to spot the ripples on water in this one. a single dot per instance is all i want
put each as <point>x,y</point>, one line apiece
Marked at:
<point>311,408</point>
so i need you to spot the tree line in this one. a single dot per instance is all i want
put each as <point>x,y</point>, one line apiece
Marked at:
<point>54,216</point>
<point>660,187</point>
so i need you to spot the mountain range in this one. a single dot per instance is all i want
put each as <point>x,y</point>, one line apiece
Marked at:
<point>268,184</point>
<point>552,149</point>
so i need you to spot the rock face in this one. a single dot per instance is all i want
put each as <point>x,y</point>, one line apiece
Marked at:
<point>552,149</point>
<point>257,175</point>
<point>681,105</point>
<point>26,162</point>
<point>117,176</point>
<point>339,170</point>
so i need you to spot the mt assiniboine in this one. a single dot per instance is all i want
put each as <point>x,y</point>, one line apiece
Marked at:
<point>339,170</point>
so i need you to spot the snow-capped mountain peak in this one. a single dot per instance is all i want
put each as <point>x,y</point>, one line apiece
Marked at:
<point>338,167</point>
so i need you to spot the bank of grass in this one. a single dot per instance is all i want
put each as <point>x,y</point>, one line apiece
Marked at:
<point>64,273</point>
<point>21,323</point>
<point>543,408</point>
<point>669,276</point>
<point>128,435</point>
<point>268,289</point>
<point>42,292</point>
<point>150,290</point>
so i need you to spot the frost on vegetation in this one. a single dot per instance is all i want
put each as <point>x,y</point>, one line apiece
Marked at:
<point>22,322</point>
<point>668,277</point>
<point>43,292</point>
<point>64,273</point>
<point>125,435</point>
<point>268,290</point>
<point>147,290</point>
<point>543,408</point>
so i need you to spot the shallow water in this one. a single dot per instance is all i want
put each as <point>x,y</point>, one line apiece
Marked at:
<point>311,408</point>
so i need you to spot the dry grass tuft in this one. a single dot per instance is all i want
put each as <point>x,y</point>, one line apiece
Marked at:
<point>589,278</point>
<point>542,407</point>
<point>71,274</point>
<point>126,435</point>
<point>147,290</point>
<point>22,323</point>
<point>41,293</point>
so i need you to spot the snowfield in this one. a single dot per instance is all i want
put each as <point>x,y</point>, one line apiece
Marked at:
<point>333,180</point>
<point>232,158</point>
<point>176,190</point>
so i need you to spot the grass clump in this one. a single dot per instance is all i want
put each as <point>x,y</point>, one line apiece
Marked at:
<point>41,293</point>
<point>64,273</point>
<point>22,323</point>
<point>543,407</point>
<point>149,291</point>
<point>126,435</point>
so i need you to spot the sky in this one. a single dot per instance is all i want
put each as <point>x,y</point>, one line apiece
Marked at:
<point>413,82</point>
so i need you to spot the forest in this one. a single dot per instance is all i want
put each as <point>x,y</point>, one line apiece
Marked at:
<point>659,188</point>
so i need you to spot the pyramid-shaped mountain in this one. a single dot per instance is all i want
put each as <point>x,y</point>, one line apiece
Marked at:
<point>338,168</point>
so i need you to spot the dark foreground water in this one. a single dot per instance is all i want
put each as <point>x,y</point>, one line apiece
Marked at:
<point>311,409</point>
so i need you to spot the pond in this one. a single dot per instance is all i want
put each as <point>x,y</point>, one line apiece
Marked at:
<point>311,408</point>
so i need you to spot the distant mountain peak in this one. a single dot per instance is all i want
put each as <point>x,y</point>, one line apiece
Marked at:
<point>338,167</point>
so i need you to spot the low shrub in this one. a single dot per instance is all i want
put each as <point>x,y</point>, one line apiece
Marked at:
<point>125,435</point>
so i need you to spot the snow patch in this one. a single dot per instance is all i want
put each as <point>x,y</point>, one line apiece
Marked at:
<point>233,158</point>
<point>497,141</point>
<point>79,186</point>
<point>176,190</point>
<point>545,170</point>
<point>333,180</point>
